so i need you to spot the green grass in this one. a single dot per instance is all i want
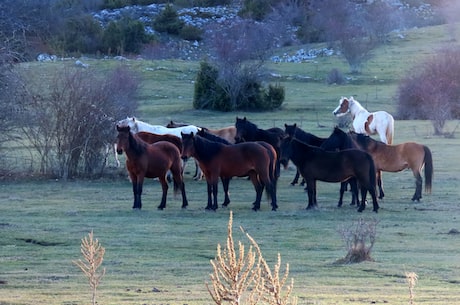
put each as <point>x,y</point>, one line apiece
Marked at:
<point>162,257</point>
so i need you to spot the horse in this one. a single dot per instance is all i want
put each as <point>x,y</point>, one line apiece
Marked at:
<point>380,122</point>
<point>225,182</point>
<point>227,161</point>
<point>315,164</point>
<point>151,138</point>
<point>228,133</point>
<point>391,158</point>
<point>248,131</point>
<point>145,160</point>
<point>395,158</point>
<point>138,126</point>
<point>294,131</point>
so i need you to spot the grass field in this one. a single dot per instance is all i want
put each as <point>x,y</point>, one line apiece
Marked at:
<point>162,257</point>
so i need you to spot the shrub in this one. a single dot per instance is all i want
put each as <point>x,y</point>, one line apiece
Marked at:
<point>212,93</point>
<point>168,21</point>
<point>125,35</point>
<point>335,77</point>
<point>430,91</point>
<point>190,33</point>
<point>359,239</point>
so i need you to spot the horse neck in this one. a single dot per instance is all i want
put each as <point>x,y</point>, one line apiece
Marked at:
<point>135,147</point>
<point>204,150</point>
<point>356,108</point>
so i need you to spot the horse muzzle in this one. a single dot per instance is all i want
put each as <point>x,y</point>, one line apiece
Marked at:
<point>119,151</point>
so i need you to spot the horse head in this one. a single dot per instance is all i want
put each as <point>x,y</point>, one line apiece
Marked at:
<point>122,137</point>
<point>188,140</point>
<point>343,108</point>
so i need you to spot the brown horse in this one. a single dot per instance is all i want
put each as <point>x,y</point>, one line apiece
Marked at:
<point>153,138</point>
<point>218,160</point>
<point>145,160</point>
<point>395,158</point>
<point>315,164</point>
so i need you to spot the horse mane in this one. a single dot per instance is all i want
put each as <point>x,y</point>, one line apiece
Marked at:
<point>207,135</point>
<point>206,149</point>
<point>304,136</point>
<point>135,143</point>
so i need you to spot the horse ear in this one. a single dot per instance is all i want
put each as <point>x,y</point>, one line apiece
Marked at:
<point>295,125</point>
<point>244,119</point>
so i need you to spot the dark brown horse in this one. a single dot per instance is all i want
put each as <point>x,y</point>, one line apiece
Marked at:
<point>145,160</point>
<point>315,164</point>
<point>225,182</point>
<point>218,160</point>
<point>395,158</point>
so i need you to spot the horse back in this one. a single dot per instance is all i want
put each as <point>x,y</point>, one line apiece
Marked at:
<point>153,138</point>
<point>239,159</point>
<point>161,157</point>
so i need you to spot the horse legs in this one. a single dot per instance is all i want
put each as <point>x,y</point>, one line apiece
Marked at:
<point>259,187</point>
<point>311,191</point>
<point>371,190</point>
<point>164,188</point>
<point>418,187</point>
<point>296,178</point>
<point>209,206</point>
<point>214,194</point>
<point>137,191</point>
<point>380,184</point>
<point>225,184</point>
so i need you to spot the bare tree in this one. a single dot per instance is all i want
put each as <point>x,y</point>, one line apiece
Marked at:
<point>239,52</point>
<point>431,91</point>
<point>69,120</point>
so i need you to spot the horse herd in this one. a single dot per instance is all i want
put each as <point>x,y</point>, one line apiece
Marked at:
<point>244,150</point>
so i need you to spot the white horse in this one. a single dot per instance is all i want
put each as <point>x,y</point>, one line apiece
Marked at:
<point>137,126</point>
<point>369,123</point>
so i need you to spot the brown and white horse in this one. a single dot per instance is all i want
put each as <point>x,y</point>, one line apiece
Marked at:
<point>365,122</point>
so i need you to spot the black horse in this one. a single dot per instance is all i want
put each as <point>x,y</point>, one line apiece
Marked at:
<point>247,131</point>
<point>294,131</point>
<point>315,163</point>
<point>339,140</point>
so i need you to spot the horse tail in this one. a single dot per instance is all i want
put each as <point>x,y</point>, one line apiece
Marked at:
<point>390,130</point>
<point>428,160</point>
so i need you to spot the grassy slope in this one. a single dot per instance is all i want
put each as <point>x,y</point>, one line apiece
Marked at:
<point>163,257</point>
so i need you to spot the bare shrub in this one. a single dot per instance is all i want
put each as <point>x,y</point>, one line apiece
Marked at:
<point>430,91</point>
<point>69,119</point>
<point>359,239</point>
<point>335,77</point>
<point>241,277</point>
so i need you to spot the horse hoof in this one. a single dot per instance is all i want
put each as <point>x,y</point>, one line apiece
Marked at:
<point>161,208</point>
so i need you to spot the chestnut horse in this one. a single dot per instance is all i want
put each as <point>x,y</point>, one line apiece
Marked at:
<point>227,161</point>
<point>395,158</point>
<point>145,160</point>
<point>315,164</point>
<point>365,122</point>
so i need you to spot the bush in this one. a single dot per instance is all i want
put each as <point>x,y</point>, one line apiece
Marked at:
<point>191,33</point>
<point>430,91</point>
<point>168,21</point>
<point>335,77</point>
<point>125,35</point>
<point>210,94</point>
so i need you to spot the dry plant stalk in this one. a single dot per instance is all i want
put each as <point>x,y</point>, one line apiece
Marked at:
<point>359,239</point>
<point>240,278</point>
<point>411,278</point>
<point>93,253</point>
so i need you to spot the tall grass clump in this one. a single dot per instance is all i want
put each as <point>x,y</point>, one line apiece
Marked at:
<point>241,277</point>
<point>93,253</point>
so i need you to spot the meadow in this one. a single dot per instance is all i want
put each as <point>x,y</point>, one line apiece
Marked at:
<point>163,257</point>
